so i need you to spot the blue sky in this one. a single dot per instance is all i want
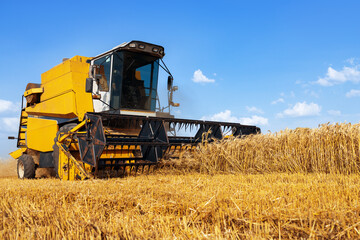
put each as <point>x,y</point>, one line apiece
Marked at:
<point>275,64</point>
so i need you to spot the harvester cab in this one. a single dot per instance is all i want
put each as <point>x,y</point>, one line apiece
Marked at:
<point>126,79</point>
<point>100,117</point>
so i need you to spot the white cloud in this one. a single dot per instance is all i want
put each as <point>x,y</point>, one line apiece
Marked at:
<point>254,110</point>
<point>222,117</point>
<point>6,105</point>
<point>10,124</point>
<point>353,93</point>
<point>302,83</point>
<point>254,120</point>
<point>351,61</point>
<point>226,116</point>
<point>301,110</point>
<point>199,77</point>
<point>333,77</point>
<point>280,100</point>
<point>334,112</point>
<point>311,93</point>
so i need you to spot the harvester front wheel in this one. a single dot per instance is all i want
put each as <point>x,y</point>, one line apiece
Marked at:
<point>64,129</point>
<point>25,167</point>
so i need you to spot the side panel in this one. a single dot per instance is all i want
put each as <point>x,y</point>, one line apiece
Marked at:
<point>60,106</point>
<point>41,134</point>
<point>83,99</point>
<point>57,87</point>
<point>64,93</point>
<point>55,72</point>
<point>76,63</point>
<point>17,153</point>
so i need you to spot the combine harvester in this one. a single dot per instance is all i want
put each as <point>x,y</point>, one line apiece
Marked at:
<point>98,117</point>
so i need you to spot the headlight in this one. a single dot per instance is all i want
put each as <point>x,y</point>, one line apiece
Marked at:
<point>132,45</point>
<point>155,49</point>
<point>141,46</point>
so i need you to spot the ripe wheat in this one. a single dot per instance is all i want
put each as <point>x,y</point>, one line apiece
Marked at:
<point>331,148</point>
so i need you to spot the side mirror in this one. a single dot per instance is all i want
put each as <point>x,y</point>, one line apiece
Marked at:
<point>89,85</point>
<point>170,82</point>
<point>98,76</point>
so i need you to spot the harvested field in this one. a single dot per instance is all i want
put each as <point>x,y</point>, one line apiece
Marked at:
<point>182,206</point>
<point>301,183</point>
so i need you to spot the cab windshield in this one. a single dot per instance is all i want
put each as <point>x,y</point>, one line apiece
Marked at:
<point>134,81</point>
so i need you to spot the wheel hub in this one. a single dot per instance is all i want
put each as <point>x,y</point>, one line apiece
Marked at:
<point>21,170</point>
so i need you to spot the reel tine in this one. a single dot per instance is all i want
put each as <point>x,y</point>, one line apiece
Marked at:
<point>136,169</point>
<point>124,169</point>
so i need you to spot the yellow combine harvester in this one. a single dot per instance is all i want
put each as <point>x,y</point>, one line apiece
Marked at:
<point>98,117</point>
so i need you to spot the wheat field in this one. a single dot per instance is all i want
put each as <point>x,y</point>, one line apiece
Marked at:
<point>331,148</point>
<point>294,184</point>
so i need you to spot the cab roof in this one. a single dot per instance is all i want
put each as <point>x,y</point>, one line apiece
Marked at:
<point>137,46</point>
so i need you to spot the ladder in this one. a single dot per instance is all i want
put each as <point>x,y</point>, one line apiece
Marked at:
<point>21,139</point>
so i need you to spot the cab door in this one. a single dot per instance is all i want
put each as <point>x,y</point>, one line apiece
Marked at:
<point>103,67</point>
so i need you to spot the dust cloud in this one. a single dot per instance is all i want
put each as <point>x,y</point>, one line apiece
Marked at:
<point>8,167</point>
